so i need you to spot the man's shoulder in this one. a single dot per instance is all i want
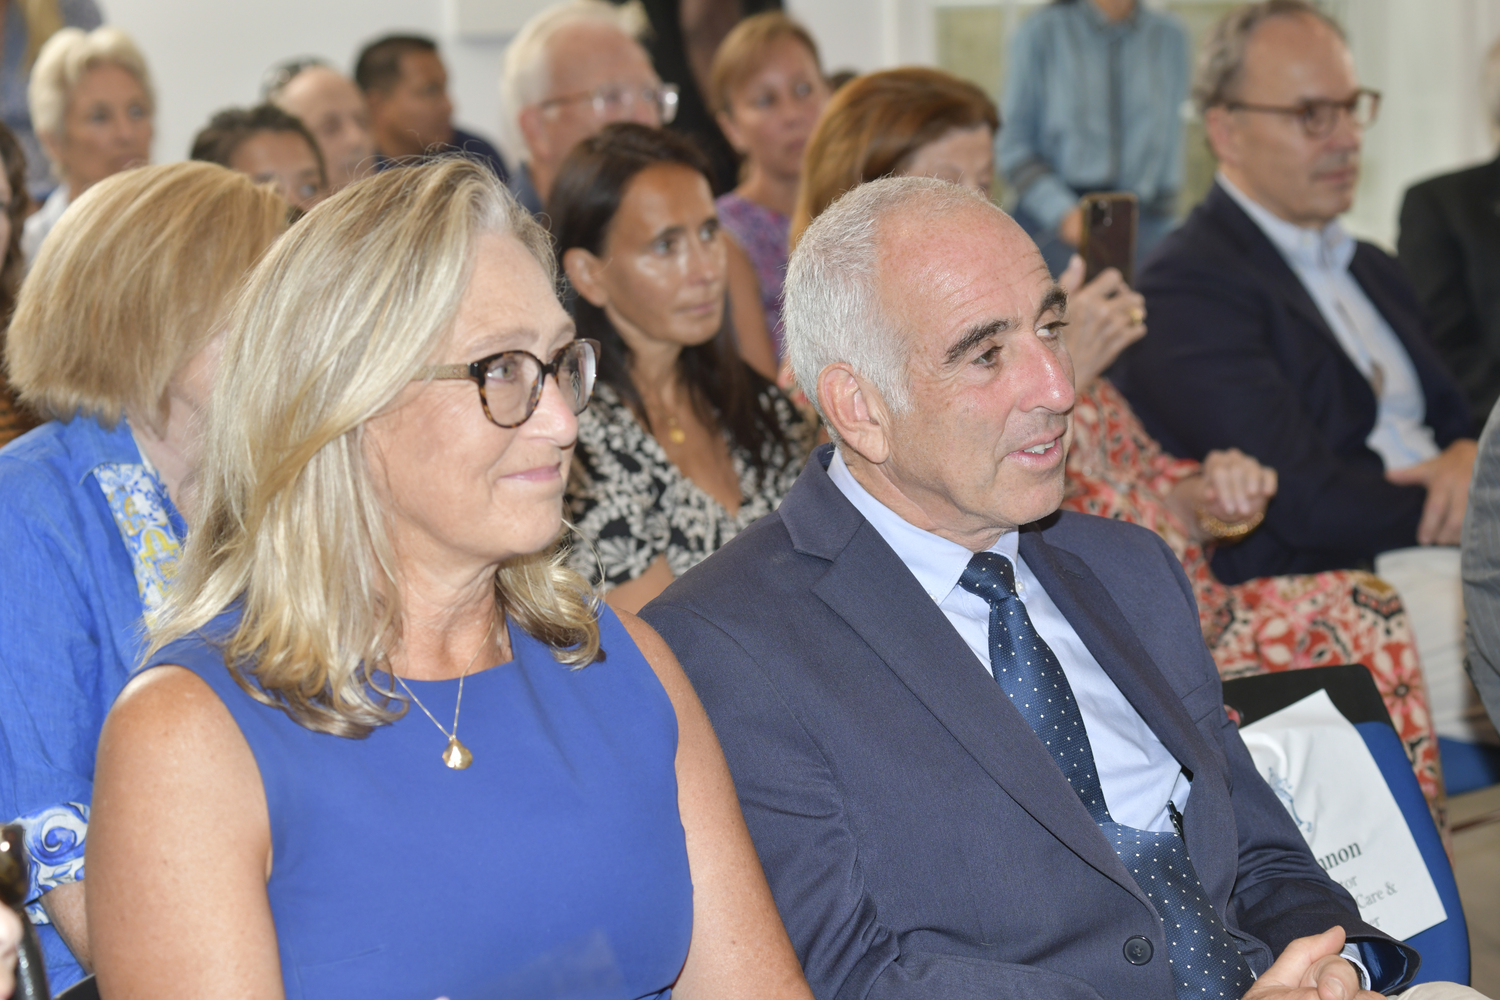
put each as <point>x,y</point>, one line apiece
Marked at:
<point>1105,543</point>
<point>1466,184</point>
<point>1211,240</point>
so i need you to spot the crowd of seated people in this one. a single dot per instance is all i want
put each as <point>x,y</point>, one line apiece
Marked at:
<point>342,457</point>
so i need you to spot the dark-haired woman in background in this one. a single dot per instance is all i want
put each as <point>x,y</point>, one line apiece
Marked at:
<point>684,444</point>
<point>14,206</point>
<point>269,146</point>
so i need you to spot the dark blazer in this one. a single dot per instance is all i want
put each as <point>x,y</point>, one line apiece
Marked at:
<point>1450,247</point>
<point>1238,356</point>
<point>918,838</point>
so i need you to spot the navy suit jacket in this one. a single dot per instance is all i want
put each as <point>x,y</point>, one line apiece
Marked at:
<point>917,836</point>
<point>1238,356</point>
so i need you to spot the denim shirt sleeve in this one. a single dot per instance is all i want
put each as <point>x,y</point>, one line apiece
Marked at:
<point>1043,195</point>
<point>50,655</point>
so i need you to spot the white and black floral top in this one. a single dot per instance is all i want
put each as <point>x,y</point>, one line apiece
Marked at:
<point>630,504</point>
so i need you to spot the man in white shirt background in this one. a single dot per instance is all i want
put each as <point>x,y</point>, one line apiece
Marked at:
<point>1275,332</point>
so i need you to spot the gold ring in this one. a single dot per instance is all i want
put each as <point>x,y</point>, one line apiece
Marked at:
<point>1137,315</point>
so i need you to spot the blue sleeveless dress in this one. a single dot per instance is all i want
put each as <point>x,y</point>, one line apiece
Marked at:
<point>554,866</point>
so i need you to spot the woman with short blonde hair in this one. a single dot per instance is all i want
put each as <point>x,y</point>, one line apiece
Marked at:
<point>92,105</point>
<point>114,341</point>
<point>405,752</point>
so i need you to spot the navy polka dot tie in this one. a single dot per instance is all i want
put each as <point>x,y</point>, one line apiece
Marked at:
<point>1204,959</point>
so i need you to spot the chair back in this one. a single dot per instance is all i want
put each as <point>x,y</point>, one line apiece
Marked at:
<point>1444,947</point>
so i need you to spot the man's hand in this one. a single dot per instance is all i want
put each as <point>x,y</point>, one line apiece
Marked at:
<point>1104,318</point>
<point>1311,968</point>
<point>1447,480</point>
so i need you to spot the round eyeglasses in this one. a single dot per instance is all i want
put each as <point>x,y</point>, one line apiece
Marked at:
<point>510,383</point>
<point>1319,118</point>
<point>614,102</point>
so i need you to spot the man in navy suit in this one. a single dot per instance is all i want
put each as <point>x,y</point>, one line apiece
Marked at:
<point>971,734</point>
<point>1274,331</point>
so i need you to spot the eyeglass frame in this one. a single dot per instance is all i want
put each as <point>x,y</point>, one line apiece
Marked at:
<point>476,372</point>
<point>1307,107</point>
<point>668,101</point>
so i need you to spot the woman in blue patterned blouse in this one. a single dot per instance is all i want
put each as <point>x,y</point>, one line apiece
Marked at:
<point>114,340</point>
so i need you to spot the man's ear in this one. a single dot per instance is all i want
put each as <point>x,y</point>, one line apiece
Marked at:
<point>856,412</point>
<point>583,268</point>
<point>533,134</point>
<point>1223,136</point>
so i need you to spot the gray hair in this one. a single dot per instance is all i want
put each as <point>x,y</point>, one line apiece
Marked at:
<point>64,59</point>
<point>526,75</point>
<point>832,310</point>
<point>1222,60</point>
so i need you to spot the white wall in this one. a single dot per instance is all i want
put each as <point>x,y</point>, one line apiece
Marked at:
<point>207,56</point>
<point>1423,54</point>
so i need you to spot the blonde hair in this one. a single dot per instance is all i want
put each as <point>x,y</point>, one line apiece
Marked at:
<point>526,74</point>
<point>132,282</point>
<point>62,62</point>
<point>745,47</point>
<point>342,314</point>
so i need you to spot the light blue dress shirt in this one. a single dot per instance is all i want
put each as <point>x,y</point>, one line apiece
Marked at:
<point>1136,772</point>
<point>1320,259</point>
<point>1092,104</point>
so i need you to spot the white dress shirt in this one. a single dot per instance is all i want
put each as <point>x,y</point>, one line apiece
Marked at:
<point>1320,259</point>
<point>1136,773</point>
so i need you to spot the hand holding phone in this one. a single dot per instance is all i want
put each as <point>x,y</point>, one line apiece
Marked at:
<point>1109,223</point>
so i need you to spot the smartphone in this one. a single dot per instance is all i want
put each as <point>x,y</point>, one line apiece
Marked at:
<point>1108,234</point>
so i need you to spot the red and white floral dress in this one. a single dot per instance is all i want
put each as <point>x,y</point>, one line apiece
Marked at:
<point>1116,469</point>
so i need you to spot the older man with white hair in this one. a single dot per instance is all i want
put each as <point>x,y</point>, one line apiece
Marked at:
<point>572,69</point>
<point>979,743</point>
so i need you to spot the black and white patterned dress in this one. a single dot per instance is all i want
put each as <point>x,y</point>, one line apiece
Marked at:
<point>630,504</point>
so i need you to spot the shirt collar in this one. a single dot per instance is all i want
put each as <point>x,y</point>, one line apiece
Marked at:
<point>936,562</point>
<point>1328,249</point>
<point>96,445</point>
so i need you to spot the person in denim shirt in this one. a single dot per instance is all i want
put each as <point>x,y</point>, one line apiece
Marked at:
<point>1093,97</point>
<point>115,339</point>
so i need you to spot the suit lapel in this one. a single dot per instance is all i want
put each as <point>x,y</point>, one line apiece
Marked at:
<point>873,592</point>
<point>1260,253</point>
<point>1101,625</point>
<point>869,587</point>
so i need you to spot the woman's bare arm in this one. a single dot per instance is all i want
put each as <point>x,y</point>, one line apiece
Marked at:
<point>739,947</point>
<point>179,850</point>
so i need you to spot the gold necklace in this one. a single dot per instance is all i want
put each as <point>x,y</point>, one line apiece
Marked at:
<point>675,433</point>
<point>455,755</point>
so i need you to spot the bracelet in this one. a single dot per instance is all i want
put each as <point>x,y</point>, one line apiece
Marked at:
<point>1225,531</point>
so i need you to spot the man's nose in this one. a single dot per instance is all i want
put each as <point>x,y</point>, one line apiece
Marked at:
<point>1046,374</point>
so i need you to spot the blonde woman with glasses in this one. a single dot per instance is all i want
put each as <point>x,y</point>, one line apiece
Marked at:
<point>403,750</point>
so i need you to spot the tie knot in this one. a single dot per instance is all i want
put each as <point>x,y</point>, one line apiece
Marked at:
<point>989,576</point>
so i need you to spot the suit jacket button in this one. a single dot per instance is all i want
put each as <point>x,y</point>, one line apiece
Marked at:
<point>1138,950</point>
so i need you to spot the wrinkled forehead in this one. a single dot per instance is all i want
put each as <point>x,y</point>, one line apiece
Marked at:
<point>589,54</point>
<point>943,273</point>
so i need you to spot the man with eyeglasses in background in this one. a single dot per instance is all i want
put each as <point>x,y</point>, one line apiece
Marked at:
<point>571,70</point>
<point>334,111</point>
<point>411,115</point>
<point>1275,332</point>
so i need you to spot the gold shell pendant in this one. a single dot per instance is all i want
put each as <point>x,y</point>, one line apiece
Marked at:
<point>457,755</point>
